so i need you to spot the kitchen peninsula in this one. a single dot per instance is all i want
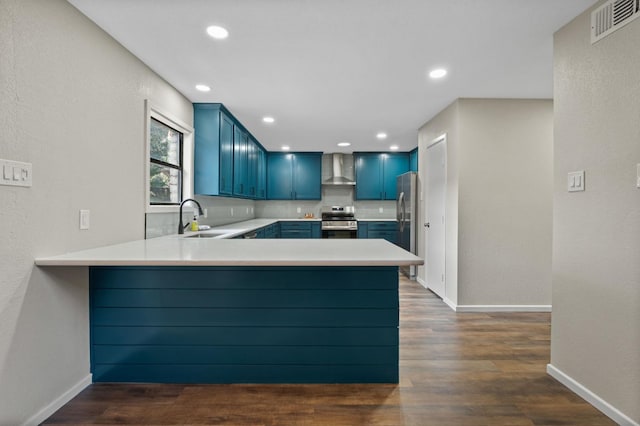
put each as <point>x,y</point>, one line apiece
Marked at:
<point>215,310</point>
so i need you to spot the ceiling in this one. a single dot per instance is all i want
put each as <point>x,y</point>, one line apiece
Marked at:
<point>334,71</point>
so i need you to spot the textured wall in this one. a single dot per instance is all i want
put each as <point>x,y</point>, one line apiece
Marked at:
<point>72,104</point>
<point>596,241</point>
<point>498,200</point>
<point>505,196</point>
<point>446,122</point>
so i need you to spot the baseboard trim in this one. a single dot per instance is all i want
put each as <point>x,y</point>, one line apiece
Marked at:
<point>503,308</point>
<point>593,399</point>
<point>444,299</point>
<point>421,282</point>
<point>56,404</point>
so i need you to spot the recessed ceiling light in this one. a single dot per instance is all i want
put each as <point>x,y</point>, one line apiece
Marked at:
<point>268,119</point>
<point>217,32</point>
<point>393,147</point>
<point>381,135</point>
<point>344,144</point>
<point>203,87</point>
<point>285,147</point>
<point>438,73</point>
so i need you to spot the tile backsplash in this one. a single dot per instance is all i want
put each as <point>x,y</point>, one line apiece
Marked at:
<point>224,210</point>
<point>220,211</point>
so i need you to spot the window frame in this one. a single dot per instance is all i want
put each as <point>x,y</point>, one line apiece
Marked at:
<point>186,152</point>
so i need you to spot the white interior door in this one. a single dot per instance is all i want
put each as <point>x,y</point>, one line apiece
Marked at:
<point>435,217</point>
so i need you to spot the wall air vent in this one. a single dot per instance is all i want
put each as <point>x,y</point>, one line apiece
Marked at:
<point>611,16</point>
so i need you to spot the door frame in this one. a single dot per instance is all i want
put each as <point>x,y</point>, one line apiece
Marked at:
<point>440,139</point>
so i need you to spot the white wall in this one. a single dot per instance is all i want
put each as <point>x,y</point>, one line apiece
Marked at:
<point>505,202</point>
<point>71,103</point>
<point>446,122</point>
<point>595,326</point>
<point>498,201</point>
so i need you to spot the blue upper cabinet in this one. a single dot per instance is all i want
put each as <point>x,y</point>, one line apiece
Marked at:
<point>228,160</point>
<point>279,176</point>
<point>307,176</point>
<point>240,166</point>
<point>413,160</point>
<point>368,176</point>
<point>261,191</point>
<point>294,176</point>
<point>213,156</point>
<point>376,174</point>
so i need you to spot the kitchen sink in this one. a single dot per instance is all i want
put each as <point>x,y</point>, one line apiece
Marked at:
<point>208,234</point>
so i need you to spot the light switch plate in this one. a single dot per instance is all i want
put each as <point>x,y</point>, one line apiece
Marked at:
<point>16,173</point>
<point>575,181</point>
<point>84,219</point>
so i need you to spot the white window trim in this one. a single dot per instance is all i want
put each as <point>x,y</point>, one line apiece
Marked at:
<point>157,113</point>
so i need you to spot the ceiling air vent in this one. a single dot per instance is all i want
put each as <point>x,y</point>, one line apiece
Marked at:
<point>612,16</point>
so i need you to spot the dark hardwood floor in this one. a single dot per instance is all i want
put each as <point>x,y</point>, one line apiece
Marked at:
<point>455,369</point>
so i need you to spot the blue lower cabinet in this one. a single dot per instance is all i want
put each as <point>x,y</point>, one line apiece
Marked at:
<point>379,229</point>
<point>244,324</point>
<point>300,229</point>
<point>272,231</point>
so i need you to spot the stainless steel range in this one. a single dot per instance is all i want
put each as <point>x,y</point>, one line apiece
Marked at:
<point>339,222</point>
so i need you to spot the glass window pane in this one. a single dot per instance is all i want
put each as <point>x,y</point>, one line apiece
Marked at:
<point>165,143</point>
<point>165,185</point>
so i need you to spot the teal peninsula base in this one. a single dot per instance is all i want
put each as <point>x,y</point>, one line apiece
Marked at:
<point>243,324</point>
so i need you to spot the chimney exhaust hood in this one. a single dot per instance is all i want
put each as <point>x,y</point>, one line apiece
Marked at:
<point>338,167</point>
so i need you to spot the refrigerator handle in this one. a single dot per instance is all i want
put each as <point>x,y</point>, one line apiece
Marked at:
<point>400,211</point>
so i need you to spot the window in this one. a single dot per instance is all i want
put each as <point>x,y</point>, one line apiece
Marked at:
<point>169,160</point>
<point>165,169</point>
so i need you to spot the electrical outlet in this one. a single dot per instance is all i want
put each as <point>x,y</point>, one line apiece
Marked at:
<point>638,175</point>
<point>231,211</point>
<point>381,210</point>
<point>84,219</point>
<point>205,212</point>
<point>299,209</point>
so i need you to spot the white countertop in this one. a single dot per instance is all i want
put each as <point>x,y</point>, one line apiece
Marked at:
<point>237,252</point>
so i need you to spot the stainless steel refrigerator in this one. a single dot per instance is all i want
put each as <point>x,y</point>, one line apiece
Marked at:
<point>407,214</point>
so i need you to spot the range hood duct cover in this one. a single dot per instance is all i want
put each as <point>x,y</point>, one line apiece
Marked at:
<point>338,177</point>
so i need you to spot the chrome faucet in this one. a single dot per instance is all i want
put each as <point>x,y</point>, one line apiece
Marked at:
<point>180,225</point>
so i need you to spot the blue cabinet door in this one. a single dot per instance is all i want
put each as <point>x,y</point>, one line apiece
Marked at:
<point>363,229</point>
<point>376,174</point>
<point>279,176</point>
<point>307,175</point>
<point>226,154</point>
<point>228,160</point>
<point>294,176</point>
<point>252,168</point>
<point>262,174</point>
<point>413,160</point>
<point>368,176</point>
<point>316,230</point>
<point>206,123</point>
<point>240,143</point>
<point>394,164</point>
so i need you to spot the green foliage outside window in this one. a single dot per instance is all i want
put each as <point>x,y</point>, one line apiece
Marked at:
<point>165,171</point>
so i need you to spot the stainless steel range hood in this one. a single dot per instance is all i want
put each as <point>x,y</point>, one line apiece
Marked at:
<point>341,165</point>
